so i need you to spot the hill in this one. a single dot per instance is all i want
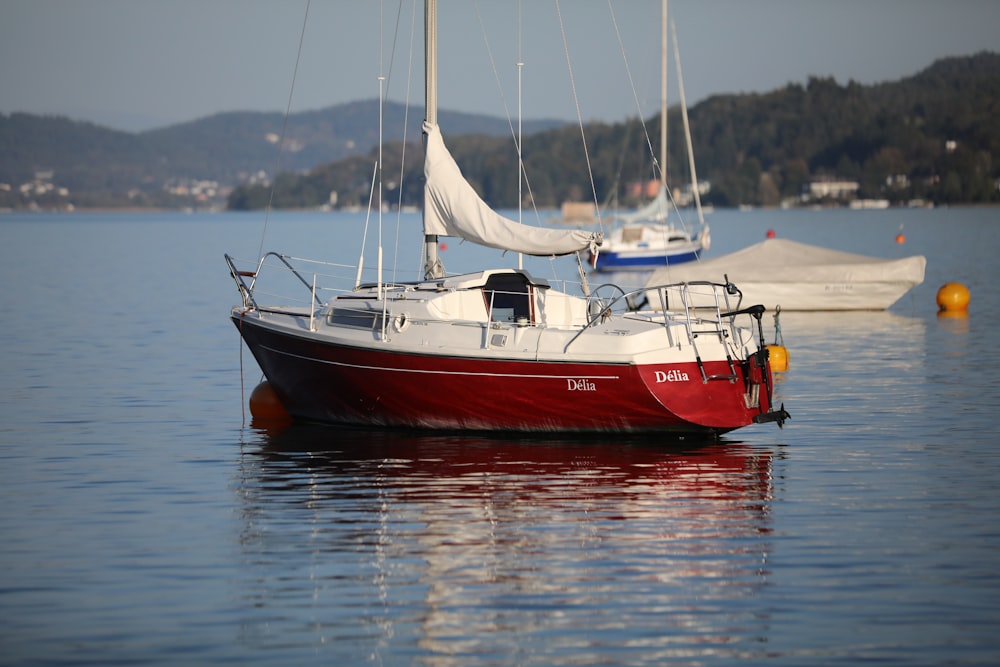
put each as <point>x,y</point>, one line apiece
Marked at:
<point>180,164</point>
<point>934,136</point>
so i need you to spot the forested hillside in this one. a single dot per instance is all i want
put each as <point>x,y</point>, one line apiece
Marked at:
<point>934,136</point>
<point>54,162</point>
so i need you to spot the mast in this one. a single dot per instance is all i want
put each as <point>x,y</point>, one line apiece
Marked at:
<point>432,264</point>
<point>430,61</point>
<point>663,98</point>
<point>520,157</point>
<point>687,130</point>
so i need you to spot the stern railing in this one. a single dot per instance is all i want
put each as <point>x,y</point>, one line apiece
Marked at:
<point>702,307</point>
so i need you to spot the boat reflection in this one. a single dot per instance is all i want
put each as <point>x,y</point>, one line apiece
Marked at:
<point>463,545</point>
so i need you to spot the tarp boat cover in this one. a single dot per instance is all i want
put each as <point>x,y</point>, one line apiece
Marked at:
<point>798,276</point>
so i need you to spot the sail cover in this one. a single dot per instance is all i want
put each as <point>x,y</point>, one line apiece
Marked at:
<point>655,210</point>
<point>452,208</point>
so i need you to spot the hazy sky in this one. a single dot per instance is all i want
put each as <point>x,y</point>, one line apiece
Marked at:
<point>137,64</point>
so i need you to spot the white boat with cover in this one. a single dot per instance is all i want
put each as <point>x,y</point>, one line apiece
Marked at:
<point>798,276</point>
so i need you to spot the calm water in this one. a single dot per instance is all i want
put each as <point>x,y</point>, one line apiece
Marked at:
<point>145,520</point>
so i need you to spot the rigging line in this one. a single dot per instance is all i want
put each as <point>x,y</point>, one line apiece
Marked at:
<point>392,52</point>
<point>520,113</point>
<point>579,116</point>
<point>635,95</point>
<point>496,74</point>
<point>406,117</point>
<point>687,126</point>
<point>659,170</point>
<point>243,390</point>
<point>406,122</point>
<point>364,233</point>
<point>522,172</point>
<point>284,128</point>
<point>381,142</point>
<point>375,190</point>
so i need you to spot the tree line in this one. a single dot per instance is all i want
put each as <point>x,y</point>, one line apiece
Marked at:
<point>933,137</point>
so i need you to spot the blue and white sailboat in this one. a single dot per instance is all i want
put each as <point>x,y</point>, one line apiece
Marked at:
<point>649,238</point>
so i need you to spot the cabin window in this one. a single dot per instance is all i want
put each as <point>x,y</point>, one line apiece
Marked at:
<point>631,234</point>
<point>359,319</point>
<point>509,296</point>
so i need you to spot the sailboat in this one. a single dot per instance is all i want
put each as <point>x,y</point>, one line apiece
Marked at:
<point>647,238</point>
<point>498,348</point>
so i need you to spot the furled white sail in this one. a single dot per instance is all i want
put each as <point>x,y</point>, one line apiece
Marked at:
<point>452,208</point>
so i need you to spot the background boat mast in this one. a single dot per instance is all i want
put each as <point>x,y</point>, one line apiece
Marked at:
<point>663,98</point>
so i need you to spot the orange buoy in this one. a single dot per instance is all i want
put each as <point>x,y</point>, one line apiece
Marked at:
<point>953,297</point>
<point>778,354</point>
<point>265,404</point>
<point>771,234</point>
<point>900,238</point>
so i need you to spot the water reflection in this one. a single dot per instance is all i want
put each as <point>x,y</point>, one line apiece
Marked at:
<point>484,550</point>
<point>861,372</point>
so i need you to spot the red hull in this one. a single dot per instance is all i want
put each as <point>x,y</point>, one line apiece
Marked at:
<point>330,383</point>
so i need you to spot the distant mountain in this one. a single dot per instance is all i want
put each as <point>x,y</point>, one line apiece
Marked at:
<point>228,145</point>
<point>226,148</point>
<point>933,136</point>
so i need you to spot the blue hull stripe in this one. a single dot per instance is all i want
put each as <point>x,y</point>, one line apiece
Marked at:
<point>611,260</point>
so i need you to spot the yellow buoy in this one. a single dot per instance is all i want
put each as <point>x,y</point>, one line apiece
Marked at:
<point>779,358</point>
<point>953,297</point>
<point>265,404</point>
